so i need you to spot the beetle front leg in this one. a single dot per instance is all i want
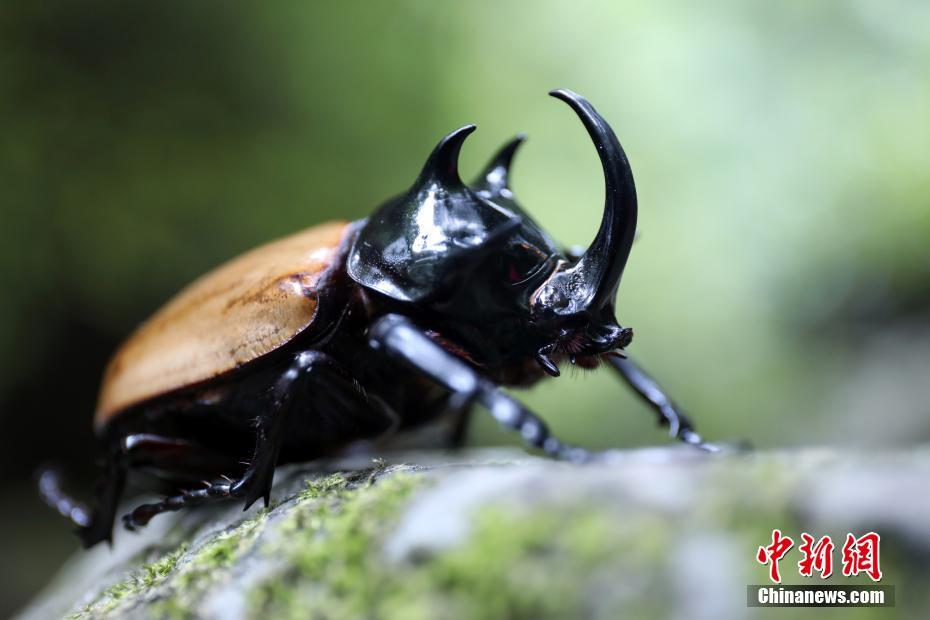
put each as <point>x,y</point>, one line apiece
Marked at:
<point>679,426</point>
<point>400,339</point>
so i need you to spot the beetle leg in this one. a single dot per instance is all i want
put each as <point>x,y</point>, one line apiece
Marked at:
<point>172,458</point>
<point>400,339</point>
<point>454,410</point>
<point>458,406</point>
<point>141,515</point>
<point>256,482</point>
<point>92,525</point>
<point>679,426</point>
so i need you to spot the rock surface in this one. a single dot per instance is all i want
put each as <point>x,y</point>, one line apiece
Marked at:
<point>657,533</point>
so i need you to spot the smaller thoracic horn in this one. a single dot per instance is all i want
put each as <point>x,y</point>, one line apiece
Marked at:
<point>442,166</point>
<point>494,181</point>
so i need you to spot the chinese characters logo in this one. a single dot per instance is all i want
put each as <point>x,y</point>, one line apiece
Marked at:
<point>859,555</point>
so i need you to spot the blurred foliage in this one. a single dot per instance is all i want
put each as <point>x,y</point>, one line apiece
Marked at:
<point>781,155</point>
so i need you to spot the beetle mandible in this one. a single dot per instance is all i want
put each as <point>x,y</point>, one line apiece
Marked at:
<point>355,330</point>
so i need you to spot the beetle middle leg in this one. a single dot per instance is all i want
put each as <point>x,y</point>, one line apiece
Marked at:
<point>679,426</point>
<point>402,340</point>
<point>173,458</point>
<point>270,429</point>
<point>458,406</point>
<point>458,434</point>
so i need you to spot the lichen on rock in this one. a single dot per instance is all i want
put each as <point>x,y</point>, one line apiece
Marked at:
<point>648,534</point>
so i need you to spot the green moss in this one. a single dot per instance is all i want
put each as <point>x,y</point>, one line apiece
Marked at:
<point>173,585</point>
<point>156,571</point>
<point>555,562</point>
<point>549,560</point>
<point>148,576</point>
<point>204,568</point>
<point>542,564</point>
<point>321,553</point>
<point>219,552</point>
<point>322,486</point>
<point>329,541</point>
<point>506,570</point>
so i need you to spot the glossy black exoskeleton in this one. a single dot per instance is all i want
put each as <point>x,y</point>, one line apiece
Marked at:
<point>444,294</point>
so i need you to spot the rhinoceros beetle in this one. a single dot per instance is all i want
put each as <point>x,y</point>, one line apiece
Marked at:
<point>356,330</point>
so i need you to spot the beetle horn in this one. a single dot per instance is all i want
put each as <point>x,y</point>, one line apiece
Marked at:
<point>596,275</point>
<point>442,166</point>
<point>495,178</point>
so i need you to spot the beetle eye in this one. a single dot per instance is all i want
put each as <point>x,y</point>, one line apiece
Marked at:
<point>523,264</point>
<point>513,273</point>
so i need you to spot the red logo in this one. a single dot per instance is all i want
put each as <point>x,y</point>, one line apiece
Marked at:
<point>773,553</point>
<point>817,557</point>
<point>860,555</point>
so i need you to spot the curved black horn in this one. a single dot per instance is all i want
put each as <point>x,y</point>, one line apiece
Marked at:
<point>442,166</point>
<point>601,266</point>
<point>495,178</point>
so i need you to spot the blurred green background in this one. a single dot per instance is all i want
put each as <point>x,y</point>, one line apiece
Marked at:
<point>780,286</point>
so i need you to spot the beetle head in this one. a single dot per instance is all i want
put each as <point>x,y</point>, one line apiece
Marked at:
<point>473,255</point>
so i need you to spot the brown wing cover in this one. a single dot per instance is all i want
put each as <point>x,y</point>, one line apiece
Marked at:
<point>236,313</point>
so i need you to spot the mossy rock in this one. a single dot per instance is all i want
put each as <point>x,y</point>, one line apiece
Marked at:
<point>653,533</point>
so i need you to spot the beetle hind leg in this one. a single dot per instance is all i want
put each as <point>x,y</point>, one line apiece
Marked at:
<point>91,525</point>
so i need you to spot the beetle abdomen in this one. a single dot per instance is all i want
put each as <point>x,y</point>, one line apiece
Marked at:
<point>234,314</point>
